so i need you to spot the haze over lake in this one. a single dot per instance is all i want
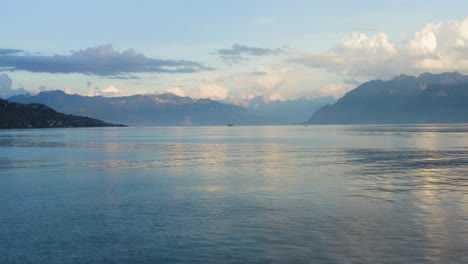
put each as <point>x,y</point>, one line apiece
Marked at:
<point>281,194</point>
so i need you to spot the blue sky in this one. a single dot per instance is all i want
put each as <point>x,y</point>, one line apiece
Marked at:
<point>230,50</point>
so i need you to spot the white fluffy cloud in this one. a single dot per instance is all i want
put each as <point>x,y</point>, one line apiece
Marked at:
<point>272,83</point>
<point>6,89</point>
<point>436,47</point>
<point>212,91</point>
<point>68,90</point>
<point>177,90</point>
<point>108,91</point>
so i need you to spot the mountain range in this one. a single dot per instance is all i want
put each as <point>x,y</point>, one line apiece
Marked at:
<point>167,109</point>
<point>428,98</point>
<point>15,115</point>
<point>152,110</point>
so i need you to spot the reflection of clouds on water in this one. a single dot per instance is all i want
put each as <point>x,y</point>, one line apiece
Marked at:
<point>428,179</point>
<point>437,172</point>
<point>439,217</point>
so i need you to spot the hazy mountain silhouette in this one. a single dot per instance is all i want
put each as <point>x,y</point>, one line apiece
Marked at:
<point>429,98</point>
<point>288,111</point>
<point>15,115</point>
<point>152,109</point>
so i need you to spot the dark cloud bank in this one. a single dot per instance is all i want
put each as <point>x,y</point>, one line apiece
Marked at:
<point>101,60</point>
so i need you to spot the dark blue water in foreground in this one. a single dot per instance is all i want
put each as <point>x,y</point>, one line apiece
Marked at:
<point>292,194</point>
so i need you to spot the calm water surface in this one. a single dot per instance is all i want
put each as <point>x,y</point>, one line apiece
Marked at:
<point>289,194</point>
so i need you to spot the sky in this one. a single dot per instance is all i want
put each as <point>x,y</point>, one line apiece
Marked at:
<point>225,50</point>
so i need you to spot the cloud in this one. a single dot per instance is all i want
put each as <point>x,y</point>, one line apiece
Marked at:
<point>177,90</point>
<point>358,55</point>
<point>68,90</point>
<point>124,77</point>
<point>102,60</point>
<point>9,51</point>
<point>109,91</point>
<point>270,82</point>
<point>253,51</point>
<point>209,90</point>
<point>436,47</point>
<point>336,90</point>
<point>352,81</point>
<point>212,91</point>
<point>239,53</point>
<point>5,87</point>
<point>5,81</point>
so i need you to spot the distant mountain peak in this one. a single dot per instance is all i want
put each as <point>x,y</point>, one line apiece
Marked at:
<point>443,78</point>
<point>401,77</point>
<point>427,77</point>
<point>454,74</point>
<point>51,92</point>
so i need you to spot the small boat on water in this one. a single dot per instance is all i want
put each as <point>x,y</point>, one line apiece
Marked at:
<point>230,125</point>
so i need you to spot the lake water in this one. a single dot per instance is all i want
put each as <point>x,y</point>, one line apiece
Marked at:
<point>287,194</point>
